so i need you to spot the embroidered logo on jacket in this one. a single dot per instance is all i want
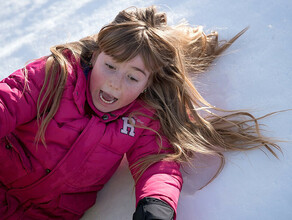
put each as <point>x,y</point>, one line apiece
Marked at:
<point>128,128</point>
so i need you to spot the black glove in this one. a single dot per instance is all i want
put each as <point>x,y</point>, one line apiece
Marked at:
<point>153,209</point>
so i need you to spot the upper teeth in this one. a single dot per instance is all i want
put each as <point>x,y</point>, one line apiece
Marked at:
<point>108,102</point>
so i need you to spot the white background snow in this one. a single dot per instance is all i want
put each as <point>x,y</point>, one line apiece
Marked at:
<point>255,74</point>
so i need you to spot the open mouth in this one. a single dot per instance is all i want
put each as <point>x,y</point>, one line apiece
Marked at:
<point>107,98</point>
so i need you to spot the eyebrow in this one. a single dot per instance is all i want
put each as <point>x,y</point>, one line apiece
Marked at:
<point>138,69</point>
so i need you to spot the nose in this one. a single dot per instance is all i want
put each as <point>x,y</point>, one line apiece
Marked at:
<point>115,82</point>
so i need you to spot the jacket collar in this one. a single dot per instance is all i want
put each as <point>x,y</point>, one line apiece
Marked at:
<point>80,86</point>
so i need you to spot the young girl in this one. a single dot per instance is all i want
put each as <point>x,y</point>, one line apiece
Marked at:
<point>68,118</point>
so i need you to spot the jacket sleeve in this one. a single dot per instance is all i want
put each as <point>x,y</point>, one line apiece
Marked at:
<point>161,180</point>
<point>18,99</point>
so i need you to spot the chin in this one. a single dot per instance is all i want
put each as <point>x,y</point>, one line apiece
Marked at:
<point>106,109</point>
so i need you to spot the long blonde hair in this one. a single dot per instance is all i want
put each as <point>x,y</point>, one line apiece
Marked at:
<point>172,55</point>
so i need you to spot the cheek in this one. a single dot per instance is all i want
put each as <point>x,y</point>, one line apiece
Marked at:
<point>95,80</point>
<point>133,93</point>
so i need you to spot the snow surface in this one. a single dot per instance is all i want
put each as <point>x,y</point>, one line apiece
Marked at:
<point>255,74</point>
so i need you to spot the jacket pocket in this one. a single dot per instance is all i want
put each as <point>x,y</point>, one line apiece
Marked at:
<point>77,203</point>
<point>14,162</point>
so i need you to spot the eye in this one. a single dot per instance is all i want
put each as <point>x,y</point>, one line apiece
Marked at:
<point>132,78</point>
<point>110,66</point>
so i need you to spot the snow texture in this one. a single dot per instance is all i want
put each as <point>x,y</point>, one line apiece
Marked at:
<point>254,74</point>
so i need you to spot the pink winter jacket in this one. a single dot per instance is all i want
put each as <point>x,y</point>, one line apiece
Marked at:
<point>83,150</point>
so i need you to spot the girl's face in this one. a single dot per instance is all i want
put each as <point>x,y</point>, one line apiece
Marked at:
<point>114,85</point>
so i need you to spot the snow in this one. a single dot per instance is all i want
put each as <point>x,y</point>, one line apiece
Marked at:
<point>254,74</point>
